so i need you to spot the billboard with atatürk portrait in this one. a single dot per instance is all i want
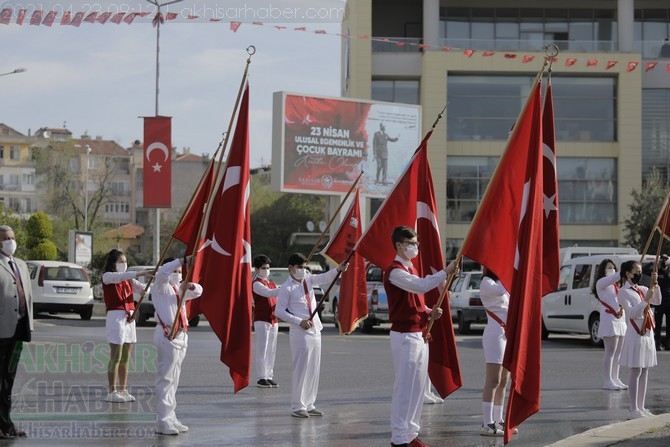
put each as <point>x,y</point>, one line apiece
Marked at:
<point>320,145</point>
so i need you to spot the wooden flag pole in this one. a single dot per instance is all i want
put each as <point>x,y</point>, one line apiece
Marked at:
<point>659,247</point>
<point>323,298</point>
<point>651,235</point>
<point>332,218</point>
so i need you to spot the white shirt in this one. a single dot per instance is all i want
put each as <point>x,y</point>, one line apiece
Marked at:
<point>164,295</point>
<point>414,284</point>
<point>292,301</point>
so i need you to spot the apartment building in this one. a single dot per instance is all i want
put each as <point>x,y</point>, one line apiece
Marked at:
<point>611,85</point>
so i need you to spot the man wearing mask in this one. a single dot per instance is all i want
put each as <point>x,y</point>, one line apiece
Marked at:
<point>265,323</point>
<point>664,308</point>
<point>295,305</point>
<point>16,322</point>
<point>409,317</point>
<point>165,293</point>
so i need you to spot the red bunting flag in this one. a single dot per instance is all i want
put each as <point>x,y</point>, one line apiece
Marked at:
<point>468,52</point>
<point>667,68</point>
<point>157,162</point>
<point>77,19</point>
<point>192,17</point>
<point>514,253</point>
<point>352,305</point>
<point>91,17</point>
<point>400,44</point>
<point>65,20</point>
<point>130,17</point>
<point>257,23</point>
<point>510,56</point>
<point>171,16</point>
<point>49,18</point>
<point>158,18</point>
<point>235,25</point>
<point>302,28</point>
<point>5,16</point>
<point>569,62</point>
<point>610,64</point>
<point>631,66</point>
<point>117,18</point>
<point>36,18</point>
<point>550,237</point>
<point>650,66</point>
<point>527,59</point>
<point>591,62</point>
<point>488,53</point>
<point>320,31</point>
<point>412,203</point>
<point>21,17</point>
<point>225,257</point>
<point>104,17</point>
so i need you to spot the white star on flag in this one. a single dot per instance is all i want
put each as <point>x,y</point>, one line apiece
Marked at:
<point>157,167</point>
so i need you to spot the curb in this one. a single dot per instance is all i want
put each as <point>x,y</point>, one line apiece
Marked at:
<point>608,435</point>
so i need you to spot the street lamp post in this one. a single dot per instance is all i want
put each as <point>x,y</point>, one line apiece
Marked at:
<point>88,154</point>
<point>18,70</point>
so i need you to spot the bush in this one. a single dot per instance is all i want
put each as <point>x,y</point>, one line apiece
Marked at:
<point>44,250</point>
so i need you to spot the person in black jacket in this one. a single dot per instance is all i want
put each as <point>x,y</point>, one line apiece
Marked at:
<point>664,308</point>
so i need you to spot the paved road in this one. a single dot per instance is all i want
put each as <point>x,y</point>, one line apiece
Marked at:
<point>61,382</point>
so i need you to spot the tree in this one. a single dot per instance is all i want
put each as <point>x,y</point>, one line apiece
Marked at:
<point>644,211</point>
<point>7,217</point>
<point>39,231</point>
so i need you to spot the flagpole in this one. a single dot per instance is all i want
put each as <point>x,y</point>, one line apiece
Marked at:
<point>251,50</point>
<point>167,247</point>
<point>339,273</point>
<point>332,218</point>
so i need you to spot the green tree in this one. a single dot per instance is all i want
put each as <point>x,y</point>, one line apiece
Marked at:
<point>39,229</point>
<point>644,211</point>
<point>18,224</point>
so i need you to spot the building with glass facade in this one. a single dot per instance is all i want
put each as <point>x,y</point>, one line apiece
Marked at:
<point>611,85</point>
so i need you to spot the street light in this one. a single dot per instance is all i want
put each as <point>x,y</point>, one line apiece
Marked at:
<point>18,70</point>
<point>88,154</point>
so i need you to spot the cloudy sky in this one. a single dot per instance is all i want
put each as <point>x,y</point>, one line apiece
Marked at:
<point>99,79</point>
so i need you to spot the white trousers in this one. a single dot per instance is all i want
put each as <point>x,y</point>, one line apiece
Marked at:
<point>306,355</point>
<point>265,349</point>
<point>170,357</point>
<point>410,365</point>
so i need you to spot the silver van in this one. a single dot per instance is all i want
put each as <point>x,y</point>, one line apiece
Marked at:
<point>573,308</point>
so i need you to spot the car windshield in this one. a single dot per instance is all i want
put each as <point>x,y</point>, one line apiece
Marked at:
<point>63,273</point>
<point>475,281</point>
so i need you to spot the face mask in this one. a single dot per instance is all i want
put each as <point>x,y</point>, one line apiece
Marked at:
<point>411,251</point>
<point>636,278</point>
<point>263,273</point>
<point>9,246</point>
<point>299,274</point>
<point>175,278</point>
<point>121,267</point>
<point>610,272</point>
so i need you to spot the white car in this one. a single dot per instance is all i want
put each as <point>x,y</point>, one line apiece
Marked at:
<point>61,287</point>
<point>464,301</point>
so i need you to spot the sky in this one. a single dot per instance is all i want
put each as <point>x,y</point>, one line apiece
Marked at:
<point>99,79</point>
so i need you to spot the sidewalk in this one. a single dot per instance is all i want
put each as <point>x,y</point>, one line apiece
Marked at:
<point>646,432</point>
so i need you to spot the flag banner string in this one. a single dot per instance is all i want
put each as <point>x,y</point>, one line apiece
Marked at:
<point>36,17</point>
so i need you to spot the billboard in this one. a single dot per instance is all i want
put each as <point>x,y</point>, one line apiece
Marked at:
<point>321,144</point>
<point>80,245</point>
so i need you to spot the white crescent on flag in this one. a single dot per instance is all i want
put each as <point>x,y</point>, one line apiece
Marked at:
<point>160,146</point>
<point>423,210</point>
<point>524,206</point>
<point>549,203</point>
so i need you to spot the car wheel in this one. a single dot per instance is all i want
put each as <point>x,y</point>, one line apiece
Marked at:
<point>545,332</point>
<point>141,319</point>
<point>195,321</point>
<point>336,322</point>
<point>87,313</point>
<point>594,324</point>
<point>463,326</point>
<point>367,326</point>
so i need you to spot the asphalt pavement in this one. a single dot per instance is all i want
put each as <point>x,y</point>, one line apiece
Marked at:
<point>62,376</point>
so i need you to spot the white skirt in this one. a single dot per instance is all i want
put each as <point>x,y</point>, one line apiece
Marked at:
<point>638,351</point>
<point>119,330</point>
<point>494,342</point>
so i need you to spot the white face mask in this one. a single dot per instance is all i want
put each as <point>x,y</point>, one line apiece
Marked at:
<point>175,278</point>
<point>9,246</point>
<point>411,251</point>
<point>121,267</point>
<point>299,274</point>
<point>610,272</point>
<point>263,273</point>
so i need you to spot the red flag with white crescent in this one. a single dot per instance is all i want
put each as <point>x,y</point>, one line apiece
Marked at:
<point>157,162</point>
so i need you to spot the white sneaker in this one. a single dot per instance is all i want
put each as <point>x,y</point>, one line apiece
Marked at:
<point>636,414</point>
<point>115,397</point>
<point>501,427</point>
<point>163,429</point>
<point>647,413</point>
<point>490,430</point>
<point>432,399</point>
<point>620,384</point>
<point>127,396</point>
<point>611,386</point>
<point>179,426</point>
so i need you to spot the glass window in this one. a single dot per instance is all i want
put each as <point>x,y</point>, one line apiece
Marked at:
<point>564,277</point>
<point>14,153</point>
<point>467,179</point>
<point>404,91</point>
<point>587,190</point>
<point>582,276</point>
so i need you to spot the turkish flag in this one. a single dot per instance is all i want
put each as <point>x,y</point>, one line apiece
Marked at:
<point>550,238</point>
<point>116,18</point>
<point>513,205</point>
<point>91,17</point>
<point>20,17</point>
<point>77,19</point>
<point>157,162</point>
<point>36,18</point>
<point>49,18</point>
<point>352,305</point>
<point>662,222</point>
<point>67,17</point>
<point>225,256</point>
<point>102,18</point>
<point>412,203</point>
<point>5,16</point>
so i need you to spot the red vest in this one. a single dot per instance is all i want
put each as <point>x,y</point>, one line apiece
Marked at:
<point>407,311</point>
<point>264,308</point>
<point>119,296</point>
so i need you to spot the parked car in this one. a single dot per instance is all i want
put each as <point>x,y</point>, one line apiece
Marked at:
<point>464,301</point>
<point>378,305</point>
<point>61,287</point>
<point>146,309</point>
<point>573,308</point>
<point>567,253</point>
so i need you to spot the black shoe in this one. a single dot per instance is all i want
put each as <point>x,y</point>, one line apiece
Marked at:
<point>399,445</point>
<point>263,383</point>
<point>273,383</point>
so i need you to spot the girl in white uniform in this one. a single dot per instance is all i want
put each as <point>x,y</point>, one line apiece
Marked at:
<point>495,300</point>
<point>639,351</point>
<point>612,325</point>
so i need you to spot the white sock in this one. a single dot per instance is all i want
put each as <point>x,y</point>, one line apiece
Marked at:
<point>487,412</point>
<point>498,413</point>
